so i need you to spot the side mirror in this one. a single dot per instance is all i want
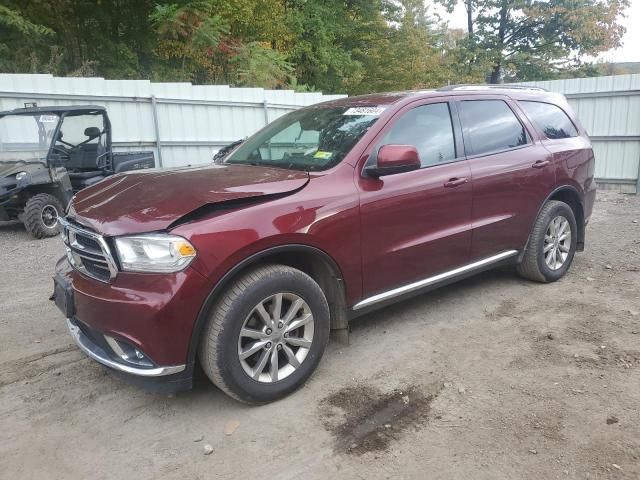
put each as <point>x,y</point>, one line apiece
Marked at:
<point>394,159</point>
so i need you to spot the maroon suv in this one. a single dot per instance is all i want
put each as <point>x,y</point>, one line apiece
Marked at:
<point>325,214</point>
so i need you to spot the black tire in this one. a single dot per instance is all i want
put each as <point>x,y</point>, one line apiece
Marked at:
<point>37,218</point>
<point>219,345</point>
<point>533,265</point>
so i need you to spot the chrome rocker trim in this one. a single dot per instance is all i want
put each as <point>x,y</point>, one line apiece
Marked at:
<point>96,353</point>
<point>412,287</point>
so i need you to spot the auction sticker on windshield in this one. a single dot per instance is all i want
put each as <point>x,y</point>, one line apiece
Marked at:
<point>323,155</point>
<point>374,111</point>
<point>48,118</point>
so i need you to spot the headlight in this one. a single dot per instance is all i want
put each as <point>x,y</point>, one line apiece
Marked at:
<point>21,175</point>
<point>154,253</point>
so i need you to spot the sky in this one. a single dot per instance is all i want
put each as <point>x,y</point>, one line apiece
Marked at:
<point>629,52</point>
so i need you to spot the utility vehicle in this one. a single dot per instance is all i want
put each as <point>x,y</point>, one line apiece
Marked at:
<point>328,213</point>
<point>49,153</point>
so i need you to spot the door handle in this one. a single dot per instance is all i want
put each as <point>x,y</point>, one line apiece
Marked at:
<point>540,164</point>
<point>455,182</point>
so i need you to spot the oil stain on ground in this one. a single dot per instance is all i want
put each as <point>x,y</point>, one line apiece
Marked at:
<point>364,419</point>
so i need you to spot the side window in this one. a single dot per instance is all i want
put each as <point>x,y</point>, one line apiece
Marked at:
<point>429,129</point>
<point>551,119</point>
<point>490,126</point>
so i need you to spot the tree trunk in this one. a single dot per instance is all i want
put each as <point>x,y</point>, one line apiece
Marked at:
<point>469,8</point>
<point>496,73</point>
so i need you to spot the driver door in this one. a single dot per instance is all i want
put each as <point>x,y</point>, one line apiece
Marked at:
<point>417,224</point>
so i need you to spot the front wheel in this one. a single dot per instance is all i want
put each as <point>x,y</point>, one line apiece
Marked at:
<point>266,334</point>
<point>552,244</point>
<point>41,214</point>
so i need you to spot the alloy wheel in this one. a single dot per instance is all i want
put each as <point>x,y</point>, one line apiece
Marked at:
<point>275,337</point>
<point>557,242</point>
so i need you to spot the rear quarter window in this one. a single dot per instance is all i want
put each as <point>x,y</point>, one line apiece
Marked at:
<point>549,118</point>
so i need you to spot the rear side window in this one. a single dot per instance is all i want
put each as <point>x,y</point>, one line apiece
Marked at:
<point>429,129</point>
<point>490,126</point>
<point>549,118</point>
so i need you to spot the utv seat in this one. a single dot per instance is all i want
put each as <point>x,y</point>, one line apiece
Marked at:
<point>84,157</point>
<point>82,165</point>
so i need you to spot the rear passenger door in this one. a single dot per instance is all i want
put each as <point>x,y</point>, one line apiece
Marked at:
<point>512,173</point>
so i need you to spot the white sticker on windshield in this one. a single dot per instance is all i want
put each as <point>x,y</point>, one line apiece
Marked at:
<point>374,111</point>
<point>48,118</point>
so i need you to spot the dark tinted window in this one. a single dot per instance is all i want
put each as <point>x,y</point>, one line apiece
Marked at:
<point>429,129</point>
<point>490,126</point>
<point>550,119</point>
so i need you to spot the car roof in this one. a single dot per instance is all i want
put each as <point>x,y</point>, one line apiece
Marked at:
<point>518,92</point>
<point>73,109</point>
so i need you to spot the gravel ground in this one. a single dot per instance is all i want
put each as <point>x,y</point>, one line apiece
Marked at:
<point>494,377</point>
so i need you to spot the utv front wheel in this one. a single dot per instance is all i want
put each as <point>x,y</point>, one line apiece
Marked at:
<point>266,334</point>
<point>41,214</point>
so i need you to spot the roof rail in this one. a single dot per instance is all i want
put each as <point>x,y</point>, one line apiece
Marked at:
<point>470,86</point>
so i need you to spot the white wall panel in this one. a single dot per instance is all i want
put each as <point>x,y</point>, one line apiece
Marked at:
<point>194,121</point>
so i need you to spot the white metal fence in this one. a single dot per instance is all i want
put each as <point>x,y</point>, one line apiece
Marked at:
<point>609,108</point>
<point>184,124</point>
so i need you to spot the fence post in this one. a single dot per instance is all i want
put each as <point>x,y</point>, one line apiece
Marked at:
<point>265,107</point>
<point>156,125</point>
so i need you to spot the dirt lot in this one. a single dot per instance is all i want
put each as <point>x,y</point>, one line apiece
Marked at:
<point>494,377</point>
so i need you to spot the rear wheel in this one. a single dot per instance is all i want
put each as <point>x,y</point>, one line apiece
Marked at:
<point>266,334</point>
<point>41,214</point>
<point>552,244</point>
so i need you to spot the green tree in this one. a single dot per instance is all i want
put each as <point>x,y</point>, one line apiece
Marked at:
<point>205,41</point>
<point>16,29</point>
<point>406,53</point>
<point>336,46</point>
<point>534,39</point>
<point>107,34</point>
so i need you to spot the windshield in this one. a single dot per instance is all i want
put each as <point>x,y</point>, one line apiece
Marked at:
<point>309,139</point>
<point>26,137</point>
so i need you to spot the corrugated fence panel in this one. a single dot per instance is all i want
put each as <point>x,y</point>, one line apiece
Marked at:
<point>626,156</point>
<point>609,109</point>
<point>193,121</point>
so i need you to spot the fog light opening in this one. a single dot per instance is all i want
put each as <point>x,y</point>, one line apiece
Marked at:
<point>128,353</point>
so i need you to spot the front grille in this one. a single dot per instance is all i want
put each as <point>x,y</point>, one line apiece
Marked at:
<point>88,242</point>
<point>88,252</point>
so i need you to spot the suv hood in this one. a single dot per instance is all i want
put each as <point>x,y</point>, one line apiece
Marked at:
<point>152,200</point>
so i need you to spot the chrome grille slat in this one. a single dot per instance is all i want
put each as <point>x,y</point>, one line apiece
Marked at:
<point>88,252</point>
<point>95,257</point>
<point>96,261</point>
<point>80,249</point>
